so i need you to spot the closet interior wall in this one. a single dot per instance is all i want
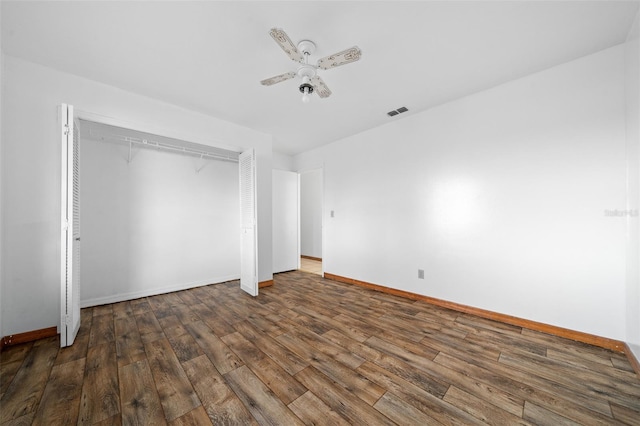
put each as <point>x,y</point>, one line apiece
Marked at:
<point>154,220</point>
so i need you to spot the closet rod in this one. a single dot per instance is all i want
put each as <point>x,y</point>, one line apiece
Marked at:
<point>155,144</point>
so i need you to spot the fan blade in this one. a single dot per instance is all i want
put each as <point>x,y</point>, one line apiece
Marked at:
<point>278,79</point>
<point>286,44</point>
<point>341,58</point>
<point>320,88</point>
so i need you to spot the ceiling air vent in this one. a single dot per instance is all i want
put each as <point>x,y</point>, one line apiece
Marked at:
<point>397,111</point>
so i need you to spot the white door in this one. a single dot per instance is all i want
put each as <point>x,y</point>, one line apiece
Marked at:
<point>249,237</point>
<point>285,221</point>
<point>70,228</point>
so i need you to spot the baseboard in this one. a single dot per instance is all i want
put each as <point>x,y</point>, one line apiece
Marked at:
<point>28,336</point>
<point>304,256</point>
<point>635,362</point>
<point>263,284</point>
<point>97,301</point>
<point>578,336</point>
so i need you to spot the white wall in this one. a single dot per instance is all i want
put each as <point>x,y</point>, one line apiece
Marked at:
<point>31,162</point>
<point>282,162</point>
<point>500,197</point>
<point>155,224</point>
<point>632,91</point>
<point>311,213</point>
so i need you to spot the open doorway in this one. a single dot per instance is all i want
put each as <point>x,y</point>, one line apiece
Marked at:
<point>311,221</point>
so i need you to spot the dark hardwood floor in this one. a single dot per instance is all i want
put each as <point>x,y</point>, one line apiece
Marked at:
<point>309,351</point>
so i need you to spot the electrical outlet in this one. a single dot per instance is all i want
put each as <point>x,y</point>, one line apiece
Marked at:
<point>421,274</point>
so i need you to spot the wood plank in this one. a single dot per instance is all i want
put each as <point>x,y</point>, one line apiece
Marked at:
<point>480,409</point>
<point>442,343</point>
<point>606,369</point>
<point>184,313</point>
<point>500,340</point>
<point>185,347</point>
<point>220,355</point>
<point>188,297</point>
<point>103,310</point>
<point>340,400</point>
<point>60,402</point>
<point>196,417</point>
<point>401,412</point>
<point>140,306</point>
<point>160,305</point>
<point>100,394</point>
<point>112,421</point>
<point>625,414</point>
<point>214,321</point>
<point>624,365</point>
<point>102,329</point>
<point>263,404</point>
<point>282,356</point>
<point>327,347</point>
<point>7,373</point>
<point>272,375</point>
<point>23,394</point>
<point>122,310</point>
<point>436,386</point>
<point>362,350</point>
<point>129,347</point>
<point>435,407</point>
<point>312,411</point>
<point>176,393</point>
<point>587,382</point>
<point>140,399</point>
<point>222,405</point>
<point>346,329</point>
<point>25,420</point>
<point>543,417</point>
<point>575,405</point>
<point>350,379</point>
<point>172,326</point>
<point>15,353</point>
<point>149,327</point>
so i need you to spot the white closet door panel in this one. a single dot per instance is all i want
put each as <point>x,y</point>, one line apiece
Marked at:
<point>70,228</point>
<point>249,245</point>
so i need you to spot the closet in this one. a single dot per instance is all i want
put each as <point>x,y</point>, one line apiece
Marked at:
<point>157,214</point>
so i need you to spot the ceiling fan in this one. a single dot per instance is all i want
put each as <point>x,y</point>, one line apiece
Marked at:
<point>311,81</point>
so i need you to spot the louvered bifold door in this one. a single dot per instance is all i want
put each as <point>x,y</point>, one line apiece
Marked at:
<point>249,247</point>
<point>70,228</point>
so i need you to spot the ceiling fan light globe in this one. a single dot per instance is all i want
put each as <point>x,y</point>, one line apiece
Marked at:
<point>306,96</point>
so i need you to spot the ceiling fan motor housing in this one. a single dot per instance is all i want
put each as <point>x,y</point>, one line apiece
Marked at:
<point>307,72</point>
<point>307,47</point>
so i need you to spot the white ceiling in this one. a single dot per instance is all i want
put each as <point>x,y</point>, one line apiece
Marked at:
<point>210,56</point>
